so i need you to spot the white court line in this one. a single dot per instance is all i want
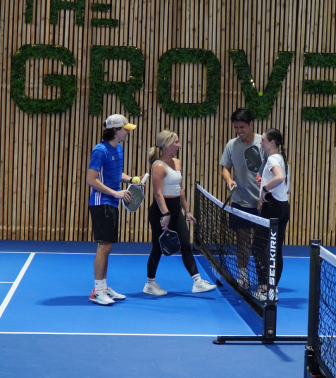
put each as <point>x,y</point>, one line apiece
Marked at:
<point>6,282</point>
<point>93,253</point>
<point>296,257</point>
<point>15,284</point>
<point>102,334</point>
<point>121,334</point>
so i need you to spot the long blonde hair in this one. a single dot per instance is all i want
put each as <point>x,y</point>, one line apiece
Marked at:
<point>163,140</point>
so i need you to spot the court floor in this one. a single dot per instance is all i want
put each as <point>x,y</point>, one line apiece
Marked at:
<point>49,328</point>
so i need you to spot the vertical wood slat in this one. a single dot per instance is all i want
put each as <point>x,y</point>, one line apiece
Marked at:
<point>44,193</point>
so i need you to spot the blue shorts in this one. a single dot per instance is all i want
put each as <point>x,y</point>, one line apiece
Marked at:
<point>236,222</point>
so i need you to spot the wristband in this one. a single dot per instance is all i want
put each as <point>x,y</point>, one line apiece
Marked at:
<point>165,214</point>
<point>265,190</point>
<point>187,212</point>
<point>131,180</point>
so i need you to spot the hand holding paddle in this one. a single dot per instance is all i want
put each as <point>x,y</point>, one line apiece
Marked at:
<point>169,242</point>
<point>137,195</point>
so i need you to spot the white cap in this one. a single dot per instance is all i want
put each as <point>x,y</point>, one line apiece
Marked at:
<point>118,120</point>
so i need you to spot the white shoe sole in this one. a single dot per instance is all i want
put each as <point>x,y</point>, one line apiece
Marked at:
<point>101,302</point>
<point>151,293</point>
<point>211,288</point>
<point>118,297</point>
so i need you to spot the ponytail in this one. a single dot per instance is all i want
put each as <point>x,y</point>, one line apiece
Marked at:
<point>284,156</point>
<point>152,154</point>
<point>163,140</point>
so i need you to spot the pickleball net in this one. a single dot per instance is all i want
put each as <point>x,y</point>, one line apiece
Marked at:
<point>236,243</point>
<point>233,240</point>
<point>321,344</point>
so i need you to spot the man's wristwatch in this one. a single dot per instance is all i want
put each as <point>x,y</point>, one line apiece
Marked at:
<point>265,190</point>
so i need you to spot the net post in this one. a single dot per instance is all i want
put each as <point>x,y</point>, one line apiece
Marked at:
<point>270,310</point>
<point>314,289</point>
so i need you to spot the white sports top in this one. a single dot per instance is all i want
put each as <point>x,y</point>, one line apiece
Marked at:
<point>172,181</point>
<point>280,191</point>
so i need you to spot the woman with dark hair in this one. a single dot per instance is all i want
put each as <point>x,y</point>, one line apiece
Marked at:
<point>274,190</point>
<point>165,211</point>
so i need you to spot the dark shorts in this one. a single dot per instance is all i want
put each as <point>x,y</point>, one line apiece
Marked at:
<point>105,219</point>
<point>238,223</point>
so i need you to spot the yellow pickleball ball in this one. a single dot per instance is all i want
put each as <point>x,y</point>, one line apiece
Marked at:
<point>260,94</point>
<point>136,180</point>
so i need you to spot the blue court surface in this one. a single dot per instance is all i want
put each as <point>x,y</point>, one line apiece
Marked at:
<point>49,328</point>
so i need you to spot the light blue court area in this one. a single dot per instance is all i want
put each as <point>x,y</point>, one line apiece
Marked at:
<point>83,356</point>
<point>56,287</point>
<point>49,328</point>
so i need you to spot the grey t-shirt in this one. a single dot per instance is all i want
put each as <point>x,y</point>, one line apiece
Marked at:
<point>247,160</point>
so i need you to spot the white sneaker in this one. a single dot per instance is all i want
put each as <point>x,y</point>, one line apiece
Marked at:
<point>114,295</point>
<point>100,297</point>
<point>201,286</point>
<point>153,289</point>
<point>260,295</point>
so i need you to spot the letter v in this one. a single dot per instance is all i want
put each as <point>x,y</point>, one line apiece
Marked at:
<point>261,106</point>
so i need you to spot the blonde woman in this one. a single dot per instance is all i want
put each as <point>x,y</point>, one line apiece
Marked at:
<point>165,211</point>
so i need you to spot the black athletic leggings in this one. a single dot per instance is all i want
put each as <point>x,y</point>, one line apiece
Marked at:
<point>177,223</point>
<point>273,209</point>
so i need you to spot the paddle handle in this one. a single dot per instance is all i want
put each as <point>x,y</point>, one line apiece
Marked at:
<point>145,178</point>
<point>228,199</point>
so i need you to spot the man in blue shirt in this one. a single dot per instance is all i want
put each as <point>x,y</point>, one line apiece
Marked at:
<point>104,176</point>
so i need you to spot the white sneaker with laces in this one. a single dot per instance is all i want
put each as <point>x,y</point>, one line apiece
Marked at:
<point>114,295</point>
<point>260,295</point>
<point>100,297</point>
<point>153,289</point>
<point>202,286</point>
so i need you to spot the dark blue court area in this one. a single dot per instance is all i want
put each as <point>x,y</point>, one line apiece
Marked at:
<point>49,328</point>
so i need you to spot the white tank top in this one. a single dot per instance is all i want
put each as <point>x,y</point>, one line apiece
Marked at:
<point>172,181</point>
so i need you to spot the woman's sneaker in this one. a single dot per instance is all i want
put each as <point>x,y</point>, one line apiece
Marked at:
<point>260,295</point>
<point>201,286</point>
<point>100,297</point>
<point>153,289</point>
<point>114,295</point>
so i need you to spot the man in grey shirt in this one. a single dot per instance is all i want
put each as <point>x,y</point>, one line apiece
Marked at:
<point>245,156</point>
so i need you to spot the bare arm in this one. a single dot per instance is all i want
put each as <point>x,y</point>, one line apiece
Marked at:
<point>278,178</point>
<point>92,180</point>
<point>125,178</point>
<point>159,172</point>
<point>226,173</point>
<point>183,200</point>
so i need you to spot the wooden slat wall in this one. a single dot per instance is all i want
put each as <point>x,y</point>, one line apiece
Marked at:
<point>44,158</point>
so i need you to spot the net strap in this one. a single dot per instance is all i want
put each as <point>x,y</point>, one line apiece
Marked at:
<point>328,256</point>
<point>253,218</point>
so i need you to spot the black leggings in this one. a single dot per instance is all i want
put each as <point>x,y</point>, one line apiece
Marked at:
<point>273,209</point>
<point>177,223</point>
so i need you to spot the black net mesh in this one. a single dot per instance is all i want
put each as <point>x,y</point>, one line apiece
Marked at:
<point>239,245</point>
<point>326,343</point>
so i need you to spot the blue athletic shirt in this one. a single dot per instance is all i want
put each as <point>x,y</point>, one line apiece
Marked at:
<point>108,161</point>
